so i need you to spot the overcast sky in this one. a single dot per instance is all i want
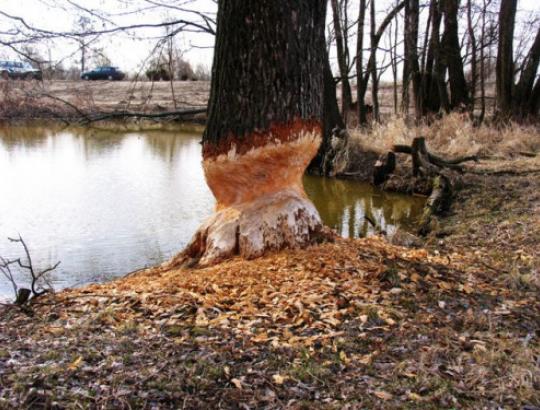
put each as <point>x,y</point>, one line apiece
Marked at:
<point>128,50</point>
<point>124,49</point>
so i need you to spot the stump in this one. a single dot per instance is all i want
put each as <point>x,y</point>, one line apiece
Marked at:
<point>427,165</point>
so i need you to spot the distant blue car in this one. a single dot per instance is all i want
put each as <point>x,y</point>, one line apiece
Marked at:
<point>104,73</point>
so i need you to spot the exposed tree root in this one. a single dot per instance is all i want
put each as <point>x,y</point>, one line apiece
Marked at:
<point>281,220</point>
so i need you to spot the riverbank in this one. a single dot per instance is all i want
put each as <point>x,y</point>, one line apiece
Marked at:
<point>351,324</point>
<point>358,323</point>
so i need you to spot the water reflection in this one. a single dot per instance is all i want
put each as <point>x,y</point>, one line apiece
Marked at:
<point>343,205</point>
<point>106,203</point>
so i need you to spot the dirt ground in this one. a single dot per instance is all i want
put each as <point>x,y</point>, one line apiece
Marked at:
<point>345,325</point>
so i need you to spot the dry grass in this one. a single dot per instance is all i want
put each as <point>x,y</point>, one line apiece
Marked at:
<point>453,135</point>
<point>73,99</point>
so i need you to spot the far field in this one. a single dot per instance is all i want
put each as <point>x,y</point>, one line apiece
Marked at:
<point>23,99</point>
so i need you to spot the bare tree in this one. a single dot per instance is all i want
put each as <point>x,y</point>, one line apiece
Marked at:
<point>505,58</point>
<point>264,127</point>
<point>339,13</point>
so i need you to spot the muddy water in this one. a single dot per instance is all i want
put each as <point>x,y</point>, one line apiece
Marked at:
<point>105,203</point>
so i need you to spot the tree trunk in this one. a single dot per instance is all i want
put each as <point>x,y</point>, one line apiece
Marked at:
<point>431,98</point>
<point>472,39</point>
<point>373,66</point>
<point>346,94</point>
<point>482,66</point>
<point>394,64</point>
<point>459,95</point>
<point>263,129</point>
<point>360,87</point>
<point>534,102</point>
<point>83,56</point>
<point>440,70</point>
<point>411,69</point>
<point>505,61</point>
<point>331,119</point>
<point>524,88</point>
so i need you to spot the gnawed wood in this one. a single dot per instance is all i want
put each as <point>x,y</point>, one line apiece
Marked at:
<point>261,203</point>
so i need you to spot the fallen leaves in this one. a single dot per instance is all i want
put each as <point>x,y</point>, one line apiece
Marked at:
<point>383,395</point>
<point>237,383</point>
<point>316,325</point>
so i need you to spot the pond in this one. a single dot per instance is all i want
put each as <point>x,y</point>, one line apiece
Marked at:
<point>105,203</point>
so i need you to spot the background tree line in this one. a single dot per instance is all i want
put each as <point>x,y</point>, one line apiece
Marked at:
<point>435,56</point>
<point>442,56</point>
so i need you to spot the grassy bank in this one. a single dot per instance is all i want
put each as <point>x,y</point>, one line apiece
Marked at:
<point>452,136</point>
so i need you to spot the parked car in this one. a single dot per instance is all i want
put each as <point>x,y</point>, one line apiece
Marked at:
<point>103,73</point>
<point>19,70</point>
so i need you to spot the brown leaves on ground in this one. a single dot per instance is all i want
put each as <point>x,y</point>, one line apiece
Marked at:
<point>351,324</point>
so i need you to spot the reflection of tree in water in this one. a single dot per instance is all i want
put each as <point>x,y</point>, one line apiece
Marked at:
<point>344,204</point>
<point>172,146</point>
<point>167,145</point>
<point>13,136</point>
<point>95,141</point>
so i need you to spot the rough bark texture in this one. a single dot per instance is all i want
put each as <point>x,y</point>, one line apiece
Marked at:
<point>505,62</point>
<point>474,59</point>
<point>264,127</point>
<point>459,95</point>
<point>434,94</point>
<point>341,48</point>
<point>361,87</point>
<point>371,64</point>
<point>524,97</point>
<point>411,69</point>
<point>332,120</point>
<point>373,58</point>
<point>267,69</point>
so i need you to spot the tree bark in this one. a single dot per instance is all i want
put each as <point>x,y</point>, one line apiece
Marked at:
<point>505,59</point>
<point>474,71</point>
<point>483,66</point>
<point>332,119</point>
<point>433,87</point>
<point>394,65</point>
<point>346,94</point>
<point>264,127</point>
<point>411,69</point>
<point>373,66</point>
<point>524,88</point>
<point>360,87</point>
<point>459,95</point>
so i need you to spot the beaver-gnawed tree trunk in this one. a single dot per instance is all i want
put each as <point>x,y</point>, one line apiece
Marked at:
<point>263,129</point>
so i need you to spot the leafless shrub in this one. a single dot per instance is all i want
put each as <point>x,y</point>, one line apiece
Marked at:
<point>39,283</point>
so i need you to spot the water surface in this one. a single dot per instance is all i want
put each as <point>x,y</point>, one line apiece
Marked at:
<point>105,203</point>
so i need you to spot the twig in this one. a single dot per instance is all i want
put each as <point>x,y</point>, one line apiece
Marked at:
<point>22,297</point>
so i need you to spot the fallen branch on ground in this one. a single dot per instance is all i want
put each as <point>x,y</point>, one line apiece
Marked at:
<point>123,115</point>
